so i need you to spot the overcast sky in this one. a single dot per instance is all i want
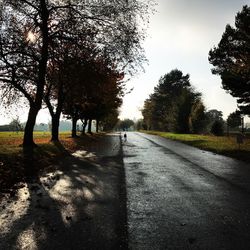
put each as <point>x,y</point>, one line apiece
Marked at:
<point>181,34</point>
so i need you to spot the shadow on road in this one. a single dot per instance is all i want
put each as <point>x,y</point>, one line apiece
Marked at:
<point>82,205</point>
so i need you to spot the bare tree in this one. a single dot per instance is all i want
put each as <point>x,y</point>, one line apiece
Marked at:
<point>31,31</point>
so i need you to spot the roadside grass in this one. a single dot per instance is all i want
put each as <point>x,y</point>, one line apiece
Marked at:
<point>13,159</point>
<point>224,145</point>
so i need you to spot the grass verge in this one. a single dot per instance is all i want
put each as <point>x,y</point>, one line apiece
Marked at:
<point>14,161</point>
<point>224,145</point>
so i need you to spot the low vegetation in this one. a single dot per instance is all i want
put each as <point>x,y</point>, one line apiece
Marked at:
<point>225,145</point>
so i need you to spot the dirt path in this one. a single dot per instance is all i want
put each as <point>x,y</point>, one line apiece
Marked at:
<point>80,206</point>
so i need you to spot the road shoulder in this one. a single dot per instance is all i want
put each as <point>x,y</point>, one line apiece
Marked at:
<point>82,205</point>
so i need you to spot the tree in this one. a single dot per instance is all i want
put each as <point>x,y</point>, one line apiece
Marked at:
<point>15,125</point>
<point>95,94</point>
<point>198,118</point>
<point>231,59</point>
<point>147,113</point>
<point>24,45</point>
<point>214,114</point>
<point>125,124</point>
<point>109,122</point>
<point>170,106</point>
<point>139,125</point>
<point>217,128</point>
<point>30,31</point>
<point>234,119</point>
<point>122,48</point>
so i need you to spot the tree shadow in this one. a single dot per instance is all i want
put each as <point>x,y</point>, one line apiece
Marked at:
<point>80,206</point>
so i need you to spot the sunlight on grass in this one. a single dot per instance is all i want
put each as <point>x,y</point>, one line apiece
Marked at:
<point>14,159</point>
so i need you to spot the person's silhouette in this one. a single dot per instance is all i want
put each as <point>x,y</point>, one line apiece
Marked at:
<point>125,137</point>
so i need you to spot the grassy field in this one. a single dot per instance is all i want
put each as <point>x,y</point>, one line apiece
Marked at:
<point>225,145</point>
<point>14,160</point>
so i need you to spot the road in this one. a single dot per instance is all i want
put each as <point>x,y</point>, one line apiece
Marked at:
<point>180,197</point>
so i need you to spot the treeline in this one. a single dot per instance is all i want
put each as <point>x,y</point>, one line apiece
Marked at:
<point>15,126</point>
<point>176,106</point>
<point>70,56</point>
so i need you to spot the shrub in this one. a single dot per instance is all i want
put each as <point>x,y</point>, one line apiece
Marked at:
<point>217,128</point>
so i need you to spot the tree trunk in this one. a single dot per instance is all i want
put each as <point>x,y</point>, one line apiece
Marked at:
<point>242,125</point>
<point>73,132</point>
<point>89,126</point>
<point>29,127</point>
<point>55,127</point>
<point>55,116</point>
<point>42,67</point>
<point>97,126</point>
<point>84,125</point>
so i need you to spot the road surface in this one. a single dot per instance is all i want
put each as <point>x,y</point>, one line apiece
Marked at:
<point>180,197</point>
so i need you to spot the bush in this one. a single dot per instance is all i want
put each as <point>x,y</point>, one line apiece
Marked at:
<point>217,128</point>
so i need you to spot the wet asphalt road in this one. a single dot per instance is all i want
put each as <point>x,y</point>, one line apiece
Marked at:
<point>180,197</point>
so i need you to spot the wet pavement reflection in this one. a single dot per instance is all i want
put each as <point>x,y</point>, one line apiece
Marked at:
<point>180,197</point>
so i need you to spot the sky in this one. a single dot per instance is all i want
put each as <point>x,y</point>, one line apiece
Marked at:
<point>180,35</point>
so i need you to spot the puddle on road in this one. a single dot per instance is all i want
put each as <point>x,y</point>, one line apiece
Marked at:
<point>83,154</point>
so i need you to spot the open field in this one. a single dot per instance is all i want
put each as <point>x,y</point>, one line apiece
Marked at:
<point>225,145</point>
<point>14,160</point>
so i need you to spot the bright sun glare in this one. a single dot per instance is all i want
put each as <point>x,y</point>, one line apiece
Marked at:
<point>31,37</point>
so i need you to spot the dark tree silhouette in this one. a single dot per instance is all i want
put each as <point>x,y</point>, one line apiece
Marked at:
<point>125,124</point>
<point>231,59</point>
<point>32,30</point>
<point>198,118</point>
<point>94,93</point>
<point>214,114</point>
<point>169,108</point>
<point>217,128</point>
<point>234,119</point>
<point>24,43</point>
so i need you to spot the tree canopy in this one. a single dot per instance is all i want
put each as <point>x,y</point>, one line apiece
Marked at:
<point>234,119</point>
<point>172,105</point>
<point>125,124</point>
<point>35,36</point>
<point>231,59</point>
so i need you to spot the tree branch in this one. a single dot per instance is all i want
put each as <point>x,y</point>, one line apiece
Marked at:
<point>30,4</point>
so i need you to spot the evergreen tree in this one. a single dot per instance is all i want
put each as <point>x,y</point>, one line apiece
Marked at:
<point>231,59</point>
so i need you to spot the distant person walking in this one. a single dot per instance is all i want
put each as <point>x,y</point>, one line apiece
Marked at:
<point>125,137</point>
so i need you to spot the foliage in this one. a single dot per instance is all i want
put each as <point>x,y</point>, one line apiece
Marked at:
<point>140,125</point>
<point>15,125</point>
<point>110,121</point>
<point>234,119</point>
<point>171,106</point>
<point>198,118</point>
<point>217,128</point>
<point>125,124</point>
<point>231,59</point>
<point>35,36</point>
<point>96,91</point>
<point>212,116</point>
